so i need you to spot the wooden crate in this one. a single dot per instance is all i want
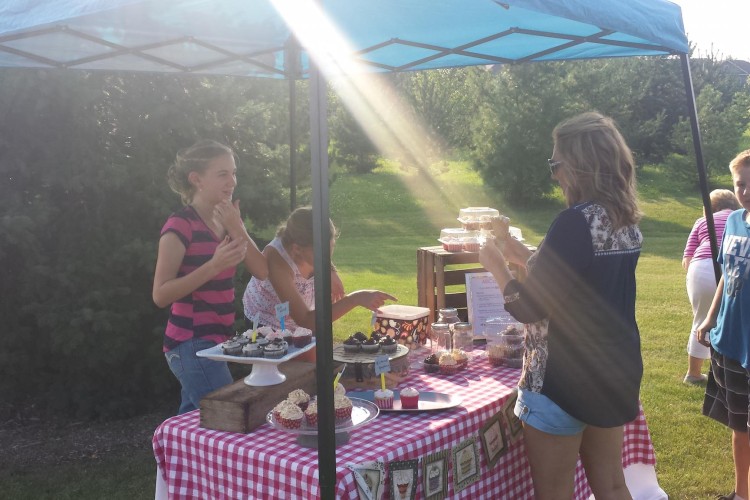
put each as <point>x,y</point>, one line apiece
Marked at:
<point>438,269</point>
<point>239,407</point>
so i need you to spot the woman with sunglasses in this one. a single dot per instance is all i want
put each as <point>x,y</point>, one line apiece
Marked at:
<point>582,366</point>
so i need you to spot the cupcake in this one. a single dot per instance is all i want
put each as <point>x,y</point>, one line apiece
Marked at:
<point>248,334</point>
<point>300,398</point>
<point>231,347</point>
<point>287,335</point>
<point>359,336</point>
<point>252,350</point>
<point>264,331</point>
<point>462,359</point>
<point>409,398</point>
<point>339,390</point>
<point>447,363</point>
<point>301,337</point>
<point>384,398</point>
<point>431,364</point>
<point>388,344</point>
<point>274,351</point>
<point>311,413</point>
<point>370,346</point>
<point>342,407</point>
<point>471,245</point>
<point>242,340</point>
<point>291,416</point>
<point>273,335</point>
<point>276,412</point>
<point>352,344</point>
<point>377,336</point>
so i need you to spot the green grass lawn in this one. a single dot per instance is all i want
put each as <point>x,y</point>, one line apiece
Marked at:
<point>385,216</point>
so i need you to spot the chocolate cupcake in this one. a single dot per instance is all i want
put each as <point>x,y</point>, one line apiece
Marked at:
<point>431,364</point>
<point>360,336</point>
<point>231,347</point>
<point>274,351</point>
<point>388,344</point>
<point>370,346</point>
<point>352,345</point>
<point>252,350</point>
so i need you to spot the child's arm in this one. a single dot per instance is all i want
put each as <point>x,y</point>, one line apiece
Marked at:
<point>228,215</point>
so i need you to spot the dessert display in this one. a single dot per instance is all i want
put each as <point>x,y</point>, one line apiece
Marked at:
<point>299,398</point>
<point>475,218</point>
<point>409,398</point>
<point>453,238</point>
<point>301,337</point>
<point>383,398</point>
<point>431,364</point>
<point>447,364</point>
<point>231,347</point>
<point>342,406</point>
<point>388,344</point>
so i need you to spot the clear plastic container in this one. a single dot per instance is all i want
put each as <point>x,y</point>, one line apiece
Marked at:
<point>453,238</point>
<point>512,348</point>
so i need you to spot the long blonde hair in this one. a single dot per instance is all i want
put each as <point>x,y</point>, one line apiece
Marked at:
<point>601,166</point>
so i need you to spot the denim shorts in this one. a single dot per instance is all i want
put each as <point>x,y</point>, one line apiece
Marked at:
<point>197,376</point>
<point>541,413</point>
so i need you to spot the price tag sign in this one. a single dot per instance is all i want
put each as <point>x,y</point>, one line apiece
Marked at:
<point>382,364</point>
<point>281,311</point>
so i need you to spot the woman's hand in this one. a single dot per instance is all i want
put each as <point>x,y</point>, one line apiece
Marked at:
<point>371,299</point>
<point>491,257</point>
<point>516,252</point>
<point>229,253</point>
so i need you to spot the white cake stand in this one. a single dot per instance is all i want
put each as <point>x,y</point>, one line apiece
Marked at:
<point>265,370</point>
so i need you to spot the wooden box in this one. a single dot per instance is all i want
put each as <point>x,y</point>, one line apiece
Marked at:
<point>239,407</point>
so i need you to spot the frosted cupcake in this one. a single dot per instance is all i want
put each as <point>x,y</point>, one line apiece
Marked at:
<point>384,399</point>
<point>311,413</point>
<point>231,347</point>
<point>342,407</point>
<point>286,335</point>
<point>291,417</point>
<point>301,337</point>
<point>447,363</point>
<point>299,397</point>
<point>409,398</point>
<point>265,331</point>
<point>252,350</point>
<point>339,390</point>
<point>388,344</point>
<point>274,351</point>
<point>276,412</point>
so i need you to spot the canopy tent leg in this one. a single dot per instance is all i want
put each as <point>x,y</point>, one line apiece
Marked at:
<point>322,259</point>
<point>702,177</point>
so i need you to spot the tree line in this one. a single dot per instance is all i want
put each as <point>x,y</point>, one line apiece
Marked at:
<point>83,158</point>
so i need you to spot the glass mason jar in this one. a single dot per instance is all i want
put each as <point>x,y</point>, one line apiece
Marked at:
<point>441,337</point>
<point>463,336</point>
<point>448,315</point>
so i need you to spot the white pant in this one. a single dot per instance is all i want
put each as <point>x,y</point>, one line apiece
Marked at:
<point>701,287</point>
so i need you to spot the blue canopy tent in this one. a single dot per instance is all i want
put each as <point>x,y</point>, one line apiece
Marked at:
<point>340,39</point>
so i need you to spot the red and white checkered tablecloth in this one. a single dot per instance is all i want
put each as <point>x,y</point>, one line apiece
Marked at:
<point>268,463</point>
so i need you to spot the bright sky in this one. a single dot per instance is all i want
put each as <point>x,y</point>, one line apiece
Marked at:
<point>717,26</point>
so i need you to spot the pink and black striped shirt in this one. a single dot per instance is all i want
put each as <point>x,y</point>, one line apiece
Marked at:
<point>698,245</point>
<point>207,312</point>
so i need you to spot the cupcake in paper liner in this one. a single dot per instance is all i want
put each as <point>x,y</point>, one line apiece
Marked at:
<point>383,398</point>
<point>231,347</point>
<point>276,412</point>
<point>448,365</point>
<point>311,413</point>
<point>301,337</point>
<point>300,398</point>
<point>409,398</point>
<point>290,417</point>
<point>342,406</point>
